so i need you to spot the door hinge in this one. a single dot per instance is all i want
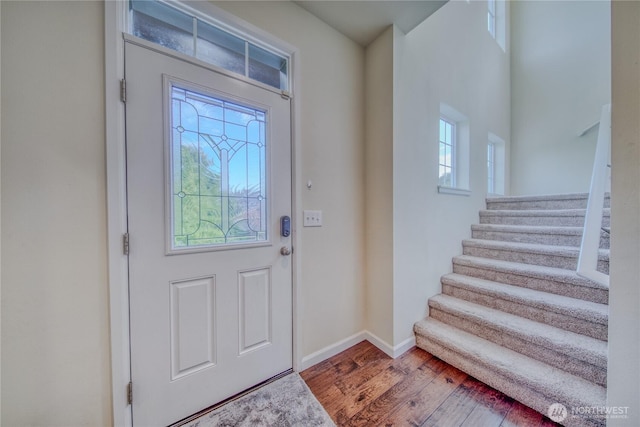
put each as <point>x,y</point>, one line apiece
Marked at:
<point>130,393</point>
<point>125,243</point>
<point>285,95</point>
<point>123,90</point>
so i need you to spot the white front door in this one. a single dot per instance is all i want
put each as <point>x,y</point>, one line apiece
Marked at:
<point>208,179</point>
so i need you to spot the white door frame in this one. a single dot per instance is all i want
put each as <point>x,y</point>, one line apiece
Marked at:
<point>115,24</point>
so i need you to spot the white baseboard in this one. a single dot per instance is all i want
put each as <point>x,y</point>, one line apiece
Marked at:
<point>404,346</point>
<point>331,350</point>
<point>390,351</point>
<point>340,346</point>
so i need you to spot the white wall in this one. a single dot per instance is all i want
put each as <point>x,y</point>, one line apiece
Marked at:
<point>55,326</point>
<point>468,71</point>
<point>560,63</point>
<point>55,330</point>
<point>623,376</point>
<point>329,105</point>
<point>407,79</point>
<point>379,108</point>
<point>55,338</point>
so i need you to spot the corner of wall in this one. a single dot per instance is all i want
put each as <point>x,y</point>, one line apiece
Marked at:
<point>379,135</point>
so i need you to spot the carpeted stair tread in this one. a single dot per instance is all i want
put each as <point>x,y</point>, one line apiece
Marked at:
<point>533,382</point>
<point>558,281</point>
<point>580,309</point>
<point>531,253</point>
<point>515,314</point>
<point>554,201</point>
<point>553,217</point>
<point>530,270</point>
<point>546,234</point>
<point>492,321</point>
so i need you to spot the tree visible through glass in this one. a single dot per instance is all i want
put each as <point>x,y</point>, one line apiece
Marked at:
<point>218,171</point>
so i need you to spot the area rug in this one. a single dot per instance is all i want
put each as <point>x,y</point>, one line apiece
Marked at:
<point>284,402</point>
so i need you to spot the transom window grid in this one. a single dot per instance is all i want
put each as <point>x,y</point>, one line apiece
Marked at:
<point>491,168</point>
<point>218,172</point>
<point>447,155</point>
<point>175,28</point>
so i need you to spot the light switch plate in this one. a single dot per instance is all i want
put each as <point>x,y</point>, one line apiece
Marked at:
<point>312,218</point>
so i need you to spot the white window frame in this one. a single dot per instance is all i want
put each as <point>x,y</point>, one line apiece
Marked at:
<point>461,153</point>
<point>451,165</point>
<point>491,17</point>
<point>497,22</point>
<point>491,167</point>
<point>499,165</point>
<point>115,12</point>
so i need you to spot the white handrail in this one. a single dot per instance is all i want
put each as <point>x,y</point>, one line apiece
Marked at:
<point>590,247</point>
<point>587,130</point>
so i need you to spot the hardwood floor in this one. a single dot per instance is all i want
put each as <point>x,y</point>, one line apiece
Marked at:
<point>362,386</point>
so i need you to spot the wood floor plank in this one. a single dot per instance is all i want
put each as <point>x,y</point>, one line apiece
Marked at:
<point>362,386</point>
<point>491,409</point>
<point>456,407</point>
<point>414,359</point>
<point>316,370</point>
<point>371,390</point>
<point>338,366</point>
<point>378,409</point>
<point>367,352</point>
<point>355,379</point>
<point>417,409</point>
<point>521,416</point>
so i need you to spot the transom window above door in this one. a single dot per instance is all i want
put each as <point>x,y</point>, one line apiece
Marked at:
<point>179,28</point>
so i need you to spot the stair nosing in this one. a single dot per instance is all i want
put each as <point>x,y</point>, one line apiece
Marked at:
<point>565,305</point>
<point>529,270</point>
<point>533,248</point>
<point>566,230</point>
<point>537,374</point>
<point>539,198</point>
<point>562,212</point>
<point>550,337</point>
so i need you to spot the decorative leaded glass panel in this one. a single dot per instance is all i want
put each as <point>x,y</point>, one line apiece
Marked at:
<point>218,178</point>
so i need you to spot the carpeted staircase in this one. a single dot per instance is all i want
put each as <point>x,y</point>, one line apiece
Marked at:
<point>515,315</point>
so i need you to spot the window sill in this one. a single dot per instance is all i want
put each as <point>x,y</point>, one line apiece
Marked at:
<point>453,191</point>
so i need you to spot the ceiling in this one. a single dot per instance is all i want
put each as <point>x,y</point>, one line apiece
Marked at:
<point>363,20</point>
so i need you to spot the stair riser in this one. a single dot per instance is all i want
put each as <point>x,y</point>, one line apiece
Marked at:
<point>559,320</point>
<point>543,239</point>
<point>548,260</point>
<point>514,389</point>
<point>537,220</point>
<point>588,371</point>
<point>600,296</point>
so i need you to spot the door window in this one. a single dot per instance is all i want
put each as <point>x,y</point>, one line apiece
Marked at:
<point>218,152</point>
